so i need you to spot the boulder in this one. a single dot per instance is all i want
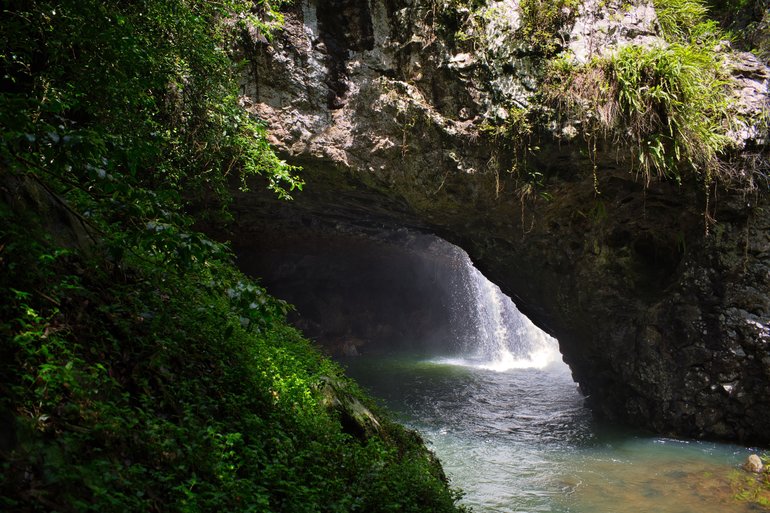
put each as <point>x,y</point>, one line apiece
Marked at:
<point>753,464</point>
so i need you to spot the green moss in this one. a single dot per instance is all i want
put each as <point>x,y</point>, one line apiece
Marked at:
<point>751,488</point>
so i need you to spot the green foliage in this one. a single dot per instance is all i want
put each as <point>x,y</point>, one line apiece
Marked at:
<point>674,107</point>
<point>460,20</point>
<point>517,125</point>
<point>738,12</point>
<point>109,97</point>
<point>139,370</point>
<point>686,21</point>
<point>750,487</point>
<point>541,22</point>
<point>142,385</point>
<point>748,24</point>
<point>668,103</point>
<point>515,134</point>
<point>136,389</point>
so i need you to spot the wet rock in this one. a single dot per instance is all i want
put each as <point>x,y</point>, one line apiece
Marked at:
<point>349,347</point>
<point>753,464</point>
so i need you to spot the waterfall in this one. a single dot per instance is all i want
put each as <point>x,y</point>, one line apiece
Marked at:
<point>494,334</point>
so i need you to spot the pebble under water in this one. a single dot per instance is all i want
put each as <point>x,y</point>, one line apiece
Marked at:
<point>518,439</point>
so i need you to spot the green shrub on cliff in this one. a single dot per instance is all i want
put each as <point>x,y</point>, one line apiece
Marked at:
<point>686,21</point>
<point>139,370</point>
<point>665,103</point>
<point>542,21</point>
<point>668,103</point>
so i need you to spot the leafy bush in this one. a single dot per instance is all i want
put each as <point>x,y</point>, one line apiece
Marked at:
<point>686,21</point>
<point>110,96</point>
<point>541,21</point>
<point>668,103</point>
<point>139,370</point>
<point>139,388</point>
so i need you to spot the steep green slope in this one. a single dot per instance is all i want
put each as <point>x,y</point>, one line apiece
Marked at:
<point>139,370</point>
<point>135,387</point>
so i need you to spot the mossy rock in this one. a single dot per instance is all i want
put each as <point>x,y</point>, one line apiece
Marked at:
<point>357,420</point>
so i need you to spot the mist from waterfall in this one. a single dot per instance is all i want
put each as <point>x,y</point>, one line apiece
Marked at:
<point>488,390</point>
<point>493,333</point>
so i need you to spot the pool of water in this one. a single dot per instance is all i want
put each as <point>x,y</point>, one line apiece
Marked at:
<point>520,440</point>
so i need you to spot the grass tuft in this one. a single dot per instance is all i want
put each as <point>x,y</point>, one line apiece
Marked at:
<point>668,103</point>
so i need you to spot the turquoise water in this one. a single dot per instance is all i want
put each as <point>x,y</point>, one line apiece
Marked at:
<point>522,441</point>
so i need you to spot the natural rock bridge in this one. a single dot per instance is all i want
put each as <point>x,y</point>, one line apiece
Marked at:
<point>665,324</point>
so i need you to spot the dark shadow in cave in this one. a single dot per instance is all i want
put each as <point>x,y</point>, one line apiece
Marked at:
<point>382,292</point>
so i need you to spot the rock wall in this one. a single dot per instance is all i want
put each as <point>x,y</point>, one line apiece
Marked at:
<point>664,323</point>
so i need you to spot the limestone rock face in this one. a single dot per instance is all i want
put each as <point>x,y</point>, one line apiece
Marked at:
<point>605,26</point>
<point>665,323</point>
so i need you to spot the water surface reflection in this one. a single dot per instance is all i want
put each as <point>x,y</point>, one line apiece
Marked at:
<point>522,441</point>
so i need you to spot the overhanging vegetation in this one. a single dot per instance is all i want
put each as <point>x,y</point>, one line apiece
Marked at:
<point>139,370</point>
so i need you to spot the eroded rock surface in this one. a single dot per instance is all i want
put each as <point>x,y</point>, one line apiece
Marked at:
<point>664,323</point>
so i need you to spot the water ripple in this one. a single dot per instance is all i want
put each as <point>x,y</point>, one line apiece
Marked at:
<point>521,441</point>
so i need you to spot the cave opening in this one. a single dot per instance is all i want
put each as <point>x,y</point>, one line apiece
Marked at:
<point>441,347</point>
<point>395,291</point>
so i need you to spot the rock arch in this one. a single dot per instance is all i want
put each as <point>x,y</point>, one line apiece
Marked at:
<point>663,325</point>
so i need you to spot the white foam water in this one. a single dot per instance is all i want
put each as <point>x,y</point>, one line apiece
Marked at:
<point>539,359</point>
<point>500,338</point>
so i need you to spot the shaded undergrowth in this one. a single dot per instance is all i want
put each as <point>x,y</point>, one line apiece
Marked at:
<point>139,388</point>
<point>139,369</point>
